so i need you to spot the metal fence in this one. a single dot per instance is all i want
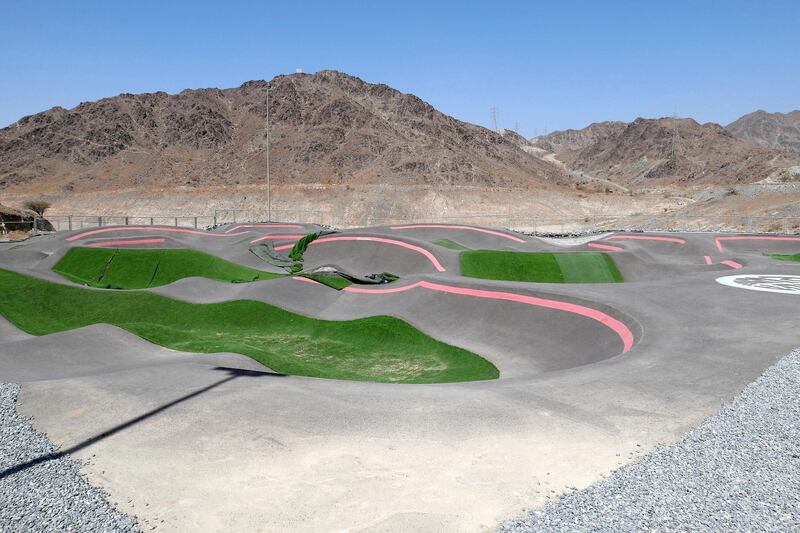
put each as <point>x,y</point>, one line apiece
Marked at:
<point>667,223</point>
<point>514,221</point>
<point>302,216</point>
<point>24,226</point>
<point>62,222</point>
<point>71,222</point>
<point>600,223</point>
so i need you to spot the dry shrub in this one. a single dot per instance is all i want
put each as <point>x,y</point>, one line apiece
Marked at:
<point>775,227</point>
<point>37,206</point>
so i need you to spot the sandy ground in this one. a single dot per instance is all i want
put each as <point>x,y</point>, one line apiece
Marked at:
<point>346,206</point>
<point>755,207</point>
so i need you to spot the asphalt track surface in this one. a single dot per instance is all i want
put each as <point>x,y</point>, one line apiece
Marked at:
<point>591,376</point>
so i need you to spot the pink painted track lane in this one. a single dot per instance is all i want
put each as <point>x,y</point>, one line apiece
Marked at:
<point>153,229</point>
<point>307,280</point>
<point>727,262</point>
<point>731,263</point>
<point>437,265</point>
<point>467,228</point>
<point>751,238</point>
<point>279,226</point>
<point>676,240</point>
<point>277,238</point>
<point>618,327</point>
<point>607,247</point>
<point>125,242</point>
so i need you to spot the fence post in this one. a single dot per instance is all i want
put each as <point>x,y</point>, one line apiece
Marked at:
<point>100,221</point>
<point>69,222</point>
<point>126,221</point>
<point>176,222</point>
<point>151,221</point>
<point>195,222</point>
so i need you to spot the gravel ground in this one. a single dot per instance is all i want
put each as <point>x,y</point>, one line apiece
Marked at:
<point>738,471</point>
<point>50,495</point>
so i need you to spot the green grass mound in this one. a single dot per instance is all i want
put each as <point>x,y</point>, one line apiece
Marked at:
<point>540,267</point>
<point>447,243</point>
<point>784,257</point>
<point>378,348</point>
<point>107,268</point>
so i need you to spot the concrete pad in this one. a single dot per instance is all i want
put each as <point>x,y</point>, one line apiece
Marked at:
<point>10,333</point>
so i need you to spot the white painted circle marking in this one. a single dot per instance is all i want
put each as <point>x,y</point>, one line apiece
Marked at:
<point>778,283</point>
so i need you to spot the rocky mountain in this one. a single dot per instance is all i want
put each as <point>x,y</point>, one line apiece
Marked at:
<point>559,142</point>
<point>345,152</point>
<point>325,128</point>
<point>667,152</point>
<point>780,131</point>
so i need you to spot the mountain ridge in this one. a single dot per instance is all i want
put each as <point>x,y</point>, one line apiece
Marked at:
<point>326,127</point>
<point>356,153</point>
<point>780,131</point>
<point>665,151</point>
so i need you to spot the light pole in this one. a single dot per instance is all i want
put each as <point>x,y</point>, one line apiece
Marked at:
<point>269,192</point>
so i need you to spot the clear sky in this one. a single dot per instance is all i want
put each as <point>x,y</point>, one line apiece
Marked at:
<point>554,65</point>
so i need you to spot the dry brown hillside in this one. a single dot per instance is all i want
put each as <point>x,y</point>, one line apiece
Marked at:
<point>571,140</point>
<point>675,152</point>
<point>346,152</point>
<point>326,128</point>
<point>780,131</point>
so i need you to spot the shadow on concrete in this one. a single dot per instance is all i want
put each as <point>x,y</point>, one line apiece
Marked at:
<point>233,374</point>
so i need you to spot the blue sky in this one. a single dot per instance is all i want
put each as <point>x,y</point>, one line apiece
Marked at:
<point>551,65</point>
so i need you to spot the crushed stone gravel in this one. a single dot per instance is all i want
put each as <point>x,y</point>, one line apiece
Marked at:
<point>738,471</point>
<point>41,490</point>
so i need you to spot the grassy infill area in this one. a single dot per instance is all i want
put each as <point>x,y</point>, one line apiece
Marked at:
<point>540,267</point>
<point>378,348</point>
<point>447,243</point>
<point>784,257</point>
<point>334,282</point>
<point>107,268</point>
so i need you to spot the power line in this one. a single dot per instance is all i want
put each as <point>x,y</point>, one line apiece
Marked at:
<point>673,150</point>
<point>269,188</point>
